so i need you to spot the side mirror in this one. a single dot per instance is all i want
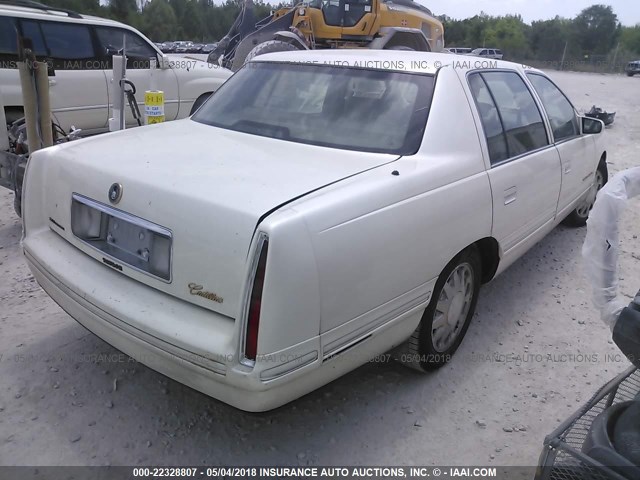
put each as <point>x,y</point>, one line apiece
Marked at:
<point>591,125</point>
<point>110,51</point>
<point>163,62</point>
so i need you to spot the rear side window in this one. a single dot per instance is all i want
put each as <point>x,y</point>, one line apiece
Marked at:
<point>67,41</point>
<point>561,113</point>
<point>519,119</point>
<point>31,30</point>
<point>496,139</point>
<point>8,36</point>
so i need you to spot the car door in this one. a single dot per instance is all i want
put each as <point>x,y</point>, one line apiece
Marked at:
<point>524,167</point>
<point>576,150</point>
<point>139,52</point>
<point>77,84</point>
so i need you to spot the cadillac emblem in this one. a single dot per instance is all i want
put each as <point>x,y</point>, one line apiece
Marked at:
<point>115,193</point>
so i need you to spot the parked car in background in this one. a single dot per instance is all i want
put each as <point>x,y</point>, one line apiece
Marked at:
<point>168,47</point>
<point>272,242</point>
<point>208,47</point>
<point>632,68</point>
<point>488,53</point>
<point>459,50</point>
<point>79,50</point>
<point>182,46</point>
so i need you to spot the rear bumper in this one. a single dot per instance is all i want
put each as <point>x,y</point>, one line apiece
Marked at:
<point>113,307</point>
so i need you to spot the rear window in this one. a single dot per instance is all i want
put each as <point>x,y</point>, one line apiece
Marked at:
<point>346,108</point>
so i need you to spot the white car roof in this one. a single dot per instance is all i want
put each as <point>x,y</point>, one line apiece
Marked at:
<point>393,60</point>
<point>57,15</point>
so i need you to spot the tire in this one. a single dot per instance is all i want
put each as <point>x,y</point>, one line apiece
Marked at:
<point>270,47</point>
<point>17,204</point>
<point>630,74</point>
<point>457,288</point>
<point>17,193</point>
<point>199,101</point>
<point>579,216</point>
<point>401,47</point>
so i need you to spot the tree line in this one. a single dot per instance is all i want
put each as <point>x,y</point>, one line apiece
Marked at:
<point>594,37</point>
<point>166,20</point>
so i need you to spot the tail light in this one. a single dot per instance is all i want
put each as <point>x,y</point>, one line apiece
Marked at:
<point>255,301</point>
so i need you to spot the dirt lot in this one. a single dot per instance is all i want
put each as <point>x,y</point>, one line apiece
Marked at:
<point>68,398</point>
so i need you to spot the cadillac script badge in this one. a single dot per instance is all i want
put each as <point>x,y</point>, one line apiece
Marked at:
<point>195,289</point>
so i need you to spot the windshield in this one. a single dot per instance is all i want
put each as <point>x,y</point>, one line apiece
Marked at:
<point>347,108</point>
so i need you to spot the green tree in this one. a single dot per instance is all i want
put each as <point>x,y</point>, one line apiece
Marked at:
<point>509,33</point>
<point>596,29</point>
<point>192,22</point>
<point>122,9</point>
<point>159,20</point>
<point>548,38</point>
<point>630,39</point>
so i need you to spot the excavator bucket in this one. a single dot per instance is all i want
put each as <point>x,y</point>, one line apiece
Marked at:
<point>262,34</point>
<point>243,25</point>
<point>246,33</point>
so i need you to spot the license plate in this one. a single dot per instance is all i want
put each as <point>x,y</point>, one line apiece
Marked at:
<point>132,240</point>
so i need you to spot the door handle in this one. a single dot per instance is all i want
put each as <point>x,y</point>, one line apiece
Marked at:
<point>510,195</point>
<point>52,82</point>
<point>567,166</point>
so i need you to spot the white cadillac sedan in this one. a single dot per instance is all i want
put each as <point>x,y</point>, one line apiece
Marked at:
<point>321,208</point>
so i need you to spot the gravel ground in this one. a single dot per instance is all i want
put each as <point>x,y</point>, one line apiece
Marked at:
<point>68,398</point>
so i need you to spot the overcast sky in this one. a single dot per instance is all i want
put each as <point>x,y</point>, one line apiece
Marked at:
<point>628,11</point>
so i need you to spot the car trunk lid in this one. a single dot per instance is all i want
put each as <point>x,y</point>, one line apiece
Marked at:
<point>209,187</point>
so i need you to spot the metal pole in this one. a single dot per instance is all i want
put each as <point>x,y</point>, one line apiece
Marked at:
<point>123,123</point>
<point>44,103</point>
<point>615,56</point>
<point>564,53</point>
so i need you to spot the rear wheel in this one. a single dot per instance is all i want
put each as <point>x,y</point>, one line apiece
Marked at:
<point>401,47</point>
<point>446,320</point>
<point>270,47</point>
<point>579,216</point>
<point>17,193</point>
<point>17,204</point>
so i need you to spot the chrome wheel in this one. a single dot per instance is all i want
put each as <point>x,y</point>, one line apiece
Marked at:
<point>584,209</point>
<point>453,307</point>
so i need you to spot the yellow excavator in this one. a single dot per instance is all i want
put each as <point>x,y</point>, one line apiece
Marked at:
<point>313,24</point>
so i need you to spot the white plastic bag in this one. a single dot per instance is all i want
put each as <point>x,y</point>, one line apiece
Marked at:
<point>601,245</point>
